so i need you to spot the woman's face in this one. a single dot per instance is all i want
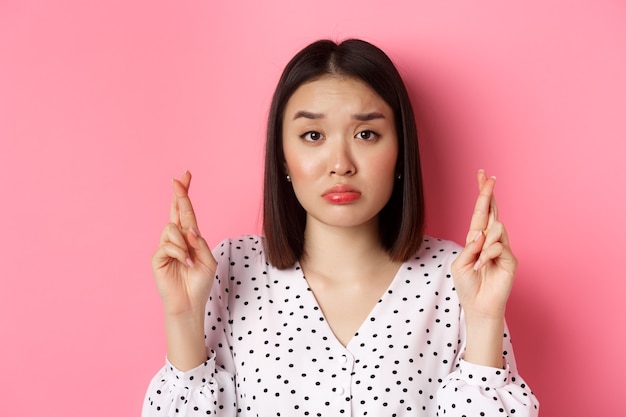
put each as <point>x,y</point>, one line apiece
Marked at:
<point>341,148</point>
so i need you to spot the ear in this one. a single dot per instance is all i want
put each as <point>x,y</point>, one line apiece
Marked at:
<point>399,170</point>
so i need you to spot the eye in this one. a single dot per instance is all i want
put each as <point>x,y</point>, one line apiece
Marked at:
<point>311,136</point>
<point>367,135</point>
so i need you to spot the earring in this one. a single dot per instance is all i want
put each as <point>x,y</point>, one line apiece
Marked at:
<point>399,176</point>
<point>288,178</point>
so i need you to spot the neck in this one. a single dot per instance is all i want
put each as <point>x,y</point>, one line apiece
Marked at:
<point>346,252</point>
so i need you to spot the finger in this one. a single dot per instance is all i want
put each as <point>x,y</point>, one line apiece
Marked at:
<point>185,180</point>
<point>488,254</point>
<point>496,248</point>
<point>174,210</point>
<point>168,251</point>
<point>493,211</point>
<point>470,253</point>
<point>171,234</point>
<point>186,215</point>
<point>482,178</point>
<point>482,209</point>
<point>493,207</point>
<point>202,251</point>
<point>496,233</point>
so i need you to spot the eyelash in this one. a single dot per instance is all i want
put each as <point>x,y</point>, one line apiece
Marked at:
<point>306,135</point>
<point>373,135</point>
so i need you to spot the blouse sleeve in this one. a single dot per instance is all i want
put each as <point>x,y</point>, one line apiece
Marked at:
<point>485,391</point>
<point>208,389</point>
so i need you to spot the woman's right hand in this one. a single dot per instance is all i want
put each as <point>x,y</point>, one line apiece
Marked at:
<point>183,265</point>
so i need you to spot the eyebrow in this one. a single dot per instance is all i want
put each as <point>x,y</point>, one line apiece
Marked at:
<point>308,115</point>
<point>361,117</point>
<point>365,117</point>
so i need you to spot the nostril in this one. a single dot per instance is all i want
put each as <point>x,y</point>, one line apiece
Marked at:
<point>342,172</point>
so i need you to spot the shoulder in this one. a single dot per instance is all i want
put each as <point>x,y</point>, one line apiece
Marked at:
<point>430,243</point>
<point>241,247</point>
<point>239,259</point>
<point>245,251</point>
<point>435,252</point>
<point>430,268</point>
<point>242,267</point>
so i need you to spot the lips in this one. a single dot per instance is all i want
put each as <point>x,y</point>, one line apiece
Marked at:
<point>341,194</point>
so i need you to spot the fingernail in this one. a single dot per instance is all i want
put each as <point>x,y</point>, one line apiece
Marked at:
<point>477,265</point>
<point>478,235</point>
<point>189,262</point>
<point>193,231</point>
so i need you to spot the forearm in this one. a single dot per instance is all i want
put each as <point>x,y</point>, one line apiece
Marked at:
<point>484,341</point>
<point>186,348</point>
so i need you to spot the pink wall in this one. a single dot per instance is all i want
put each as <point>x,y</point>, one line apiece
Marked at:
<point>101,103</point>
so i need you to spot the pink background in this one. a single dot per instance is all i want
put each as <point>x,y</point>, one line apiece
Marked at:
<point>101,103</point>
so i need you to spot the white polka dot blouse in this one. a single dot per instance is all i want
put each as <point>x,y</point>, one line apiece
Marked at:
<point>271,353</point>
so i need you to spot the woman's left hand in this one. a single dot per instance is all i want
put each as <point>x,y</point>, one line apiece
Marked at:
<point>484,270</point>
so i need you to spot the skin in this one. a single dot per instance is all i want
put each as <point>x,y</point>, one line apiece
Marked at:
<point>344,263</point>
<point>483,275</point>
<point>338,131</point>
<point>184,269</point>
<point>328,142</point>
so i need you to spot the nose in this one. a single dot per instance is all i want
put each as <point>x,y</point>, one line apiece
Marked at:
<point>341,159</point>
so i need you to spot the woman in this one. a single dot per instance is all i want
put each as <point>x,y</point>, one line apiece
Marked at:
<point>343,307</point>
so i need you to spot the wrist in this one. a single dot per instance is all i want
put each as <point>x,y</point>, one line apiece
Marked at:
<point>186,318</point>
<point>484,341</point>
<point>185,341</point>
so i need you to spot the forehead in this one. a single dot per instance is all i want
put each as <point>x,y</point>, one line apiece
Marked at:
<point>334,90</point>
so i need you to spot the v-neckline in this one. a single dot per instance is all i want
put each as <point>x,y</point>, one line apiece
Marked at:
<point>367,319</point>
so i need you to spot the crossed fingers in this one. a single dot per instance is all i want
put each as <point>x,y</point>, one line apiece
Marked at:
<point>485,210</point>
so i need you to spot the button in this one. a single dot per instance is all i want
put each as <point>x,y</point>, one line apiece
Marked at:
<point>343,359</point>
<point>340,391</point>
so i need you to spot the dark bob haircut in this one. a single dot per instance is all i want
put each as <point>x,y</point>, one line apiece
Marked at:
<point>401,221</point>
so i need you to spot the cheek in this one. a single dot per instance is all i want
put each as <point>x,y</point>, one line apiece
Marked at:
<point>303,174</point>
<point>385,163</point>
<point>300,165</point>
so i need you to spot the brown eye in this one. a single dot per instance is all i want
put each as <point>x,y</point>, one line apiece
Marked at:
<point>311,136</point>
<point>367,135</point>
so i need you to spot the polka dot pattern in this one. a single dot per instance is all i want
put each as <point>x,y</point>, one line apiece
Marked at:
<point>271,352</point>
